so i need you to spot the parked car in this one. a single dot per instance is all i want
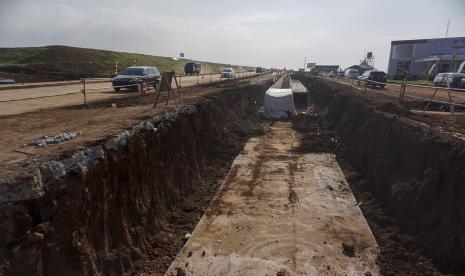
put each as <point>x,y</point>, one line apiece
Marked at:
<point>340,73</point>
<point>7,81</point>
<point>373,78</point>
<point>192,68</point>
<point>228,73</point>
<point>462,83</point>
<point>440,80</point>
<point>351,73</point>
<point>259,70</point>
<point>132,77</point>
<point>453,79</point>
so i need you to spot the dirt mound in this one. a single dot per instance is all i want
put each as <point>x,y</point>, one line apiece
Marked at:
<point>414,172</point>
<point>129,209</point>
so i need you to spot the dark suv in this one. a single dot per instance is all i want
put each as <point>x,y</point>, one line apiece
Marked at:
<point>259,70</point>
<point>132,77</point>
<point>373,78</point>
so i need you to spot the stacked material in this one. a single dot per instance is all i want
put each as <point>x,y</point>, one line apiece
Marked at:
<point>279,103</point>
<point>46,140</point>
<point>298,87</point>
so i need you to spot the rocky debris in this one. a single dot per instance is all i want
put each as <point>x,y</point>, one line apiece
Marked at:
<point>51,171</point>
<point>59,138</point>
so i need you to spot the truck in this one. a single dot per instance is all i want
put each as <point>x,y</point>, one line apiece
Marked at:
<point>192,68</point>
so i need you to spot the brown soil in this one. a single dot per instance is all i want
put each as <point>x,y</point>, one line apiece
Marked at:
<point>406,172</point>
<point>95,123</point>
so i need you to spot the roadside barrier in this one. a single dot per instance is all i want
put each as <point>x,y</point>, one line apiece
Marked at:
<point>403,93</point>
<point>144,88</point>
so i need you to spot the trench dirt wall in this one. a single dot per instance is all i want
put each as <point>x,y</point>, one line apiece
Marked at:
<point>101,215</point>
<point>417,172</point>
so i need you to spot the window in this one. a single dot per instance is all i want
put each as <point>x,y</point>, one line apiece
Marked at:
<point>402,51</point>
<point>133,71</point>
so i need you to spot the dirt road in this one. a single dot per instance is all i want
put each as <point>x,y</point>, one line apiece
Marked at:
<point>279,211</point>
<point>46,97</point>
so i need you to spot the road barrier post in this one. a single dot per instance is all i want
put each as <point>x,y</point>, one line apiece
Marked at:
<point>403,86</point>
<point>197,79</point>
<point>451,103</point>
<point>83,80</point>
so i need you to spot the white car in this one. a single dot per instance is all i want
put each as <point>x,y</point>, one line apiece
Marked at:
<point>453,79</point>
<point>228,73</point>
<point>351,74</point>
<point>440,80</point>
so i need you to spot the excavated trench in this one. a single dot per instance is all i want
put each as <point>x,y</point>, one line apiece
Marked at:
<point>407,177</point>
<point>125,206</point>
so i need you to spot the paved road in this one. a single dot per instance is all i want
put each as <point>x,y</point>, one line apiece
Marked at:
<point>12,100</point>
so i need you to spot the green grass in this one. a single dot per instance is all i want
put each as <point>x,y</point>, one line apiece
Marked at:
<point>72,62</point>
<point>417,82</point>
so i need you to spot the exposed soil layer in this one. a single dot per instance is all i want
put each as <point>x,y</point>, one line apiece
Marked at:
<point>406,173</point>
<point>128,210</point>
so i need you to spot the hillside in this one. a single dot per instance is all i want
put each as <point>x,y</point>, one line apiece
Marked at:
<point>63,62</point>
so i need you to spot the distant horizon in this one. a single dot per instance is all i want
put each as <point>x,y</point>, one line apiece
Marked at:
<point>265,34</point>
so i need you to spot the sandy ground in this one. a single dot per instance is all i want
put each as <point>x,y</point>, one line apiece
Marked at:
<point>279,212</point>
<point>98,121</point>
<point>55,96</point>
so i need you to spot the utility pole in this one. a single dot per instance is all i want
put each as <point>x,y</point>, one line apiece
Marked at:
<point>305,63</point>
<point>447,30</point>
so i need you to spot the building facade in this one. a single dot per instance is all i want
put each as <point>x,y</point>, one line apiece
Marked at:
<point>426,57</point>
<point>325,68</point>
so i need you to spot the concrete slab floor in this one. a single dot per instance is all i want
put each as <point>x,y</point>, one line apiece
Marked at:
<point>279,212</point>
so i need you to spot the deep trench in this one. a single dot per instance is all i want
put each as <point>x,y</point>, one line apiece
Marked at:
<point>129,212</point>
<point>406,176</point>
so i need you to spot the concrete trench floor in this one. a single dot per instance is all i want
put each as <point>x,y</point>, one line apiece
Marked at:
<point>280,212</point>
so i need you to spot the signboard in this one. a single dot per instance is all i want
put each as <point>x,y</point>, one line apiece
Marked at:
<point>181,55</point>
<point>311,65</point>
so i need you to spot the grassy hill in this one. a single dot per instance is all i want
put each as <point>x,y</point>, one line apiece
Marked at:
<point>63,62</point>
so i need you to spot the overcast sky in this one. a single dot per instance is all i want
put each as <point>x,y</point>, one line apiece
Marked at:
<point>253,32</point>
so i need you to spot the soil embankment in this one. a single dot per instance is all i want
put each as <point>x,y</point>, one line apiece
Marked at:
<point>407,175</point>
<point>125,205</point>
